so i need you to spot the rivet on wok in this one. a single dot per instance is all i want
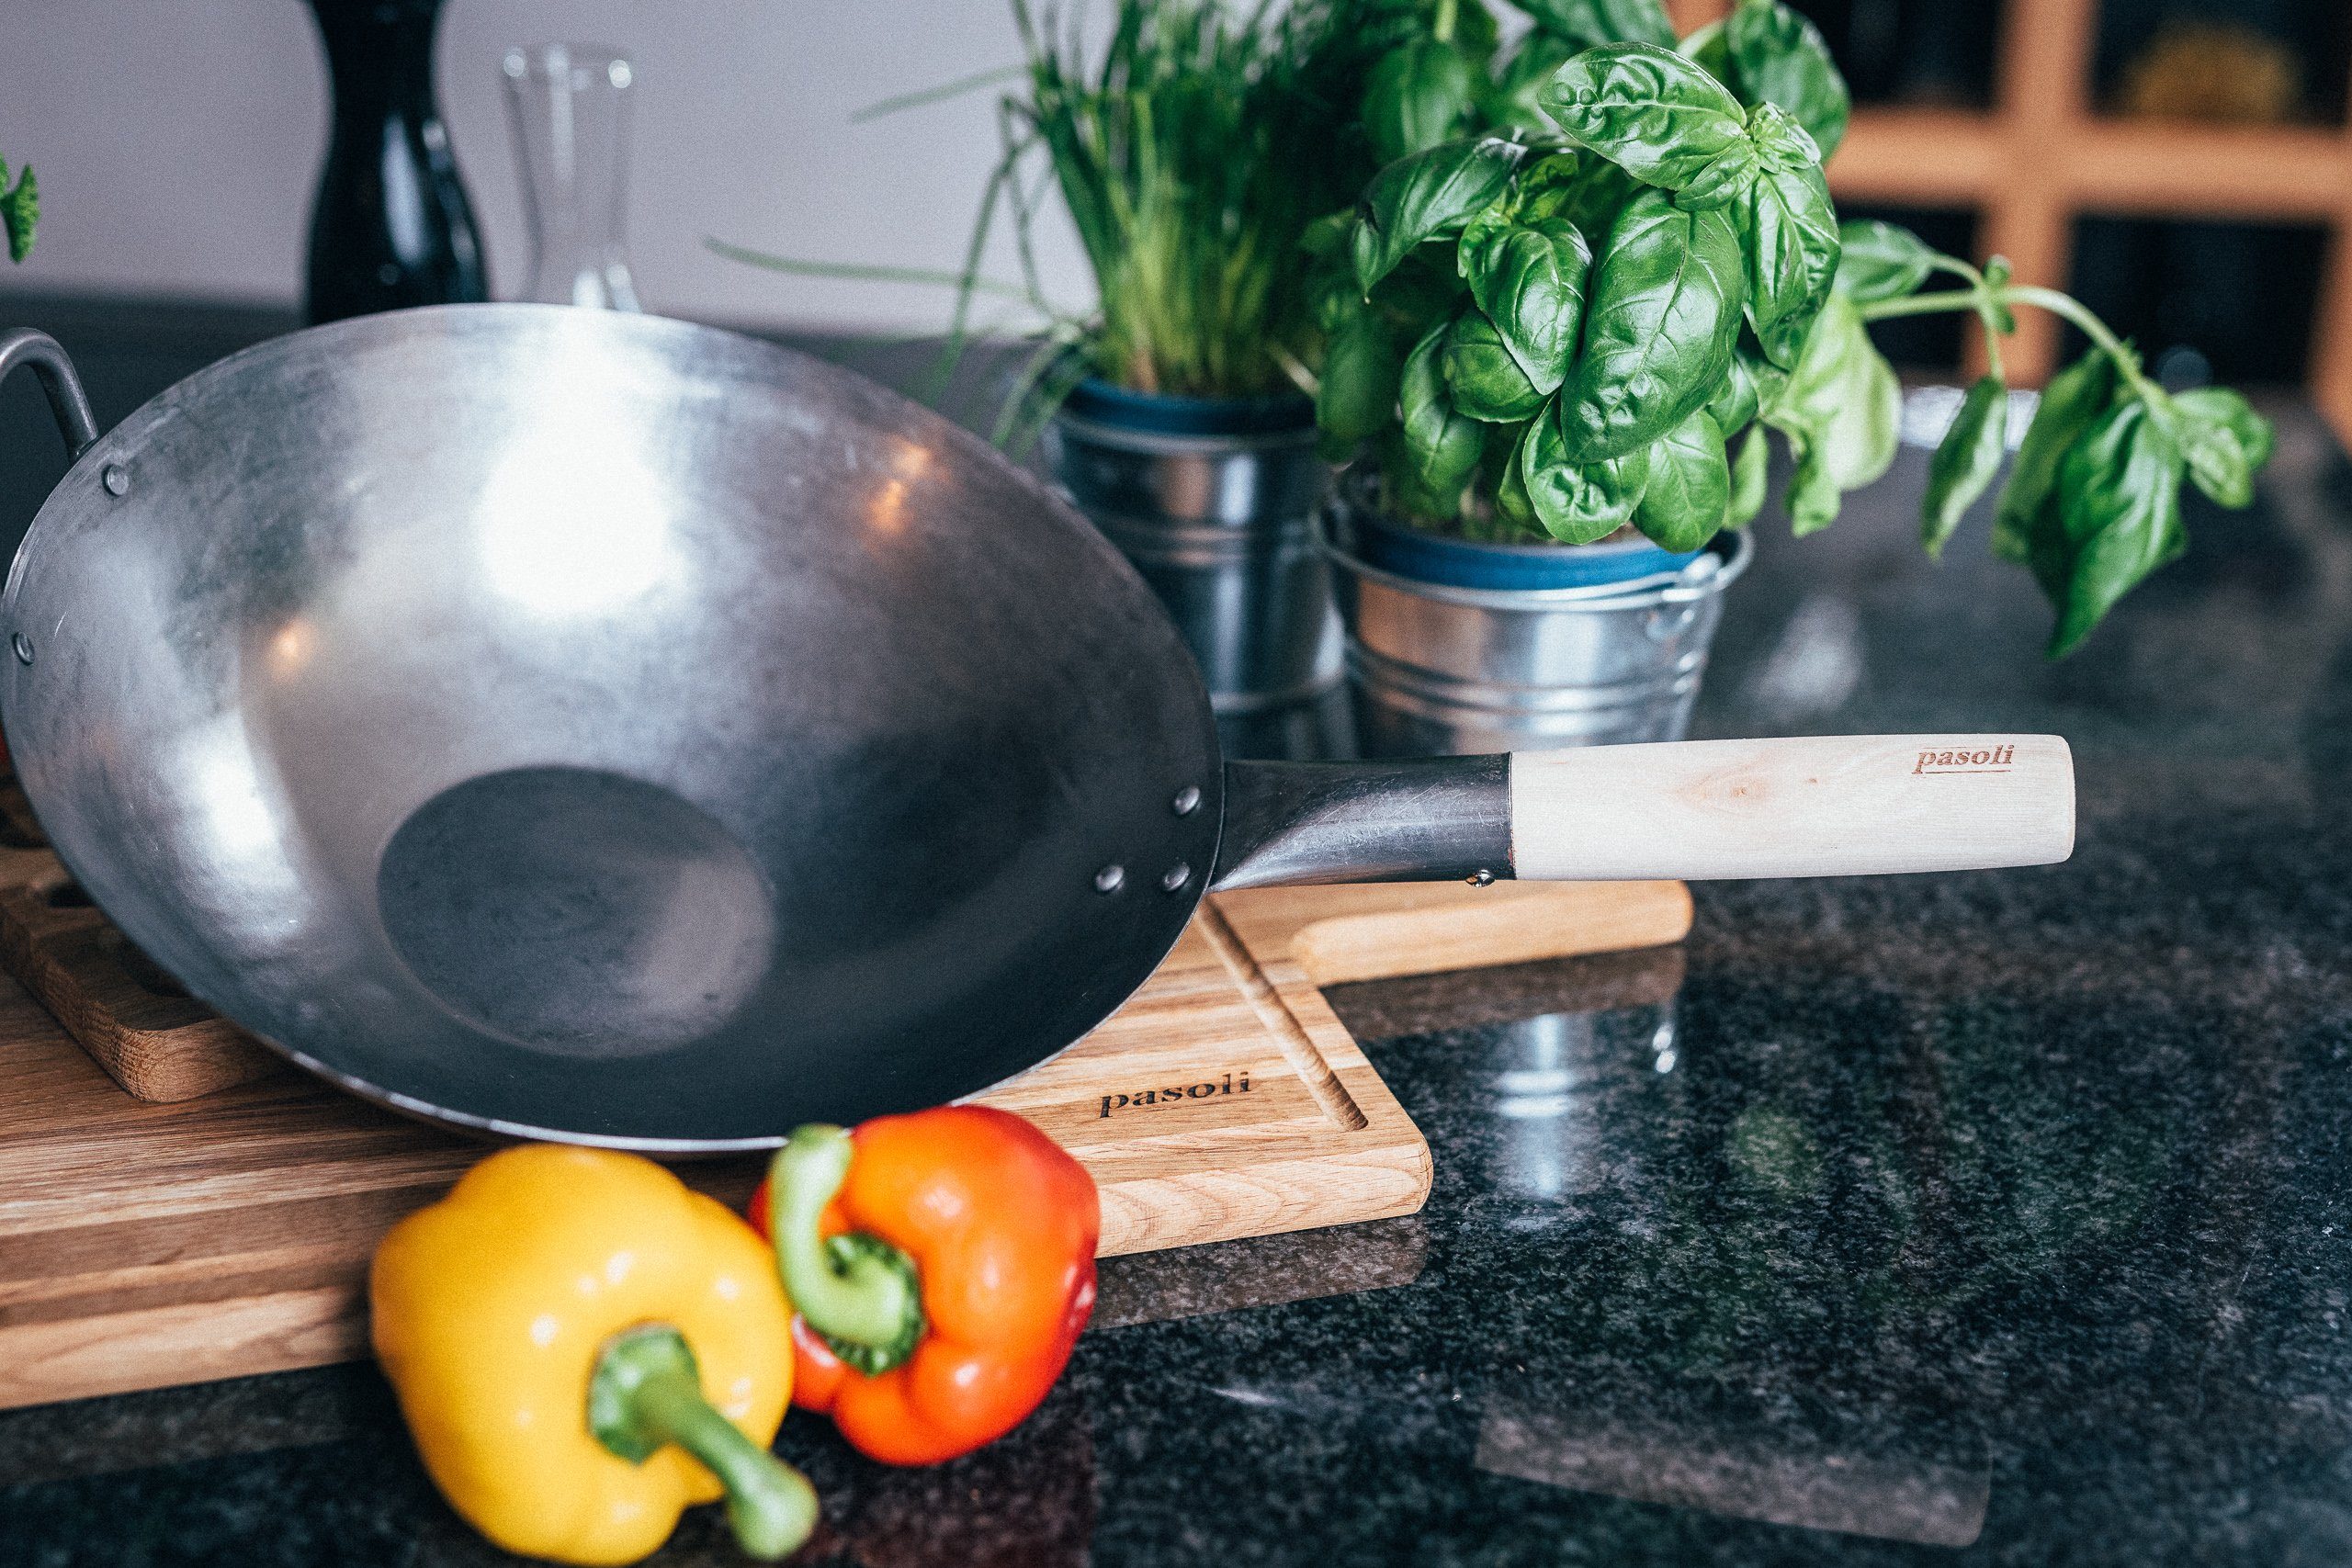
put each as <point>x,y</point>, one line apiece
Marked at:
<point>1177,875</point>
<point>1110,879</point>
<point>1482,877</point>
<point>116,481</point>
<point>24,647</point>
<point>1187,801</point>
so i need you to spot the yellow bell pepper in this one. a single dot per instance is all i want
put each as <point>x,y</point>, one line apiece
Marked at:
<point>582,1348</point>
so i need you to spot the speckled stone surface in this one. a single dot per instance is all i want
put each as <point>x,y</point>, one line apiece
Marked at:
<point>2002,1218</point>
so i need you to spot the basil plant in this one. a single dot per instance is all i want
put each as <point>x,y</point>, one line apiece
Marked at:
<point>1601,267</point>
<point>19,210</point>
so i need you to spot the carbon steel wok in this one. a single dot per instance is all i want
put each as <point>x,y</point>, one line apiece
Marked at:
<point>597,726</point>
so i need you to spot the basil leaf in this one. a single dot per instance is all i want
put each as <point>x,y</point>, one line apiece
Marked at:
<point>1749,472</point>
<point>1996,278</point>
<point>1778,134</point>
<point>1512,502</point>
<point>1792,239</point>
<point>1328,236</point>
<point>2218,403</point>
<point>1528,280</point>
<point>1547,187</point>
<point>1658,330</point>
<point>1858,444</point>
<point>1591,198</point>
<point>1843,400</point>
<point>2119,493</point>
<point>1331,297</point>
<point>1424,196</point>
<point>1708,47</point>
<point>1485,229</point>
<point>1424,287</point>
<point>1413,97</point>
<point>1723,181</point>
<point>1654,114</point>
<point>1739,397</point>
<point>1881,261</point>
<point>2217,462</point>
<point>1689,494</point>
<point>1782,59</point>
<point>1813,498</point>
<point>2026,528</point>
<point>2224,441</point>
<point>1441,446</point>
<point>1511,99</point>
<point>1587,22</point>
<point>19,210</point>
<point>1483,379</point>
<point>1966,461</point>
<point>1580,502</point>
<point>1475,32</point>
<point>1772,381</point>
<point>1356,398</point>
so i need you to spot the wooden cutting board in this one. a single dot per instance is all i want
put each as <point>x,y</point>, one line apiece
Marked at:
<point>145,1244</point>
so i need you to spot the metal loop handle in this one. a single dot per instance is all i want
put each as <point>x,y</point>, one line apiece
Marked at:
<point>67,402</point>
<point>1694,582</point>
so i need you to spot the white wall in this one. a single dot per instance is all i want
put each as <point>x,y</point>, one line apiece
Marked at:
<point>177,142</point>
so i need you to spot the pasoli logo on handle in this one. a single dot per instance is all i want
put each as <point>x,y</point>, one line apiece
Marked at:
<point>1997,759</point>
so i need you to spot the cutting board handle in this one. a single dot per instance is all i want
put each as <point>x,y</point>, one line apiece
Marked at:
<point>1829,806</point>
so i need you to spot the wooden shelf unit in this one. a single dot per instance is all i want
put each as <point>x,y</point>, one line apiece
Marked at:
<point>2041,158</point>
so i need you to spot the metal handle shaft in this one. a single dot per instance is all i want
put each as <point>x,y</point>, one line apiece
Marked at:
<point>67,402</point>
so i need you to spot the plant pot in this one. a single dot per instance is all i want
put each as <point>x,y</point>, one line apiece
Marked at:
<point>1214,501</point>
<point>1454,646</point>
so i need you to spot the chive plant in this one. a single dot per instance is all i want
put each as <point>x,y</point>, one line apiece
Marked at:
<point>1190,145</point>
<point>1185,160</point>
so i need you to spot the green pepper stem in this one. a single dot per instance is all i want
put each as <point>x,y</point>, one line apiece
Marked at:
<point>857,1291</point>
<point>647,1392</point>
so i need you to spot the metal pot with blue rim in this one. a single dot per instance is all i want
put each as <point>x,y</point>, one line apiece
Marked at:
<point>1212,500</point>
<point>1455,647</point>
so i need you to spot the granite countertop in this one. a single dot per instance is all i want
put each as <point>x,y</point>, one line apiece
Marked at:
<point>2003,1217</point>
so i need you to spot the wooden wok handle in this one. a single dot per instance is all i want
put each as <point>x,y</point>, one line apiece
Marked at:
<point>1833,805</point>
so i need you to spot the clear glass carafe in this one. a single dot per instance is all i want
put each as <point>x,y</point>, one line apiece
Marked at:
<point>569,103</point>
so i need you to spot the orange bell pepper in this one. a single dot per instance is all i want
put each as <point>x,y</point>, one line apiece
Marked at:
<point>940,1265</point>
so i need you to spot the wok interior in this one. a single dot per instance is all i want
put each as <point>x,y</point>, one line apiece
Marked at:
<point>600,726</point>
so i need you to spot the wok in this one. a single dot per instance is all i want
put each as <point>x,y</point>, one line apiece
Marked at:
<point>587,726</point>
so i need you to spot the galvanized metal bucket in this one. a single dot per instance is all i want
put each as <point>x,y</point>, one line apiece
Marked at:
<point>1214,501</point>
<point>1440,666</point>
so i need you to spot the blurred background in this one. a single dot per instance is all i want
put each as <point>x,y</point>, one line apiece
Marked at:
<point>177,145</point>
<point>2182,165</point>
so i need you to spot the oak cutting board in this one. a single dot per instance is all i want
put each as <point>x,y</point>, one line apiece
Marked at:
<point>147,1244</point>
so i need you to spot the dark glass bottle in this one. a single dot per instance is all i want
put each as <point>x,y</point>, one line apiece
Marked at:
<point>391,227</point>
